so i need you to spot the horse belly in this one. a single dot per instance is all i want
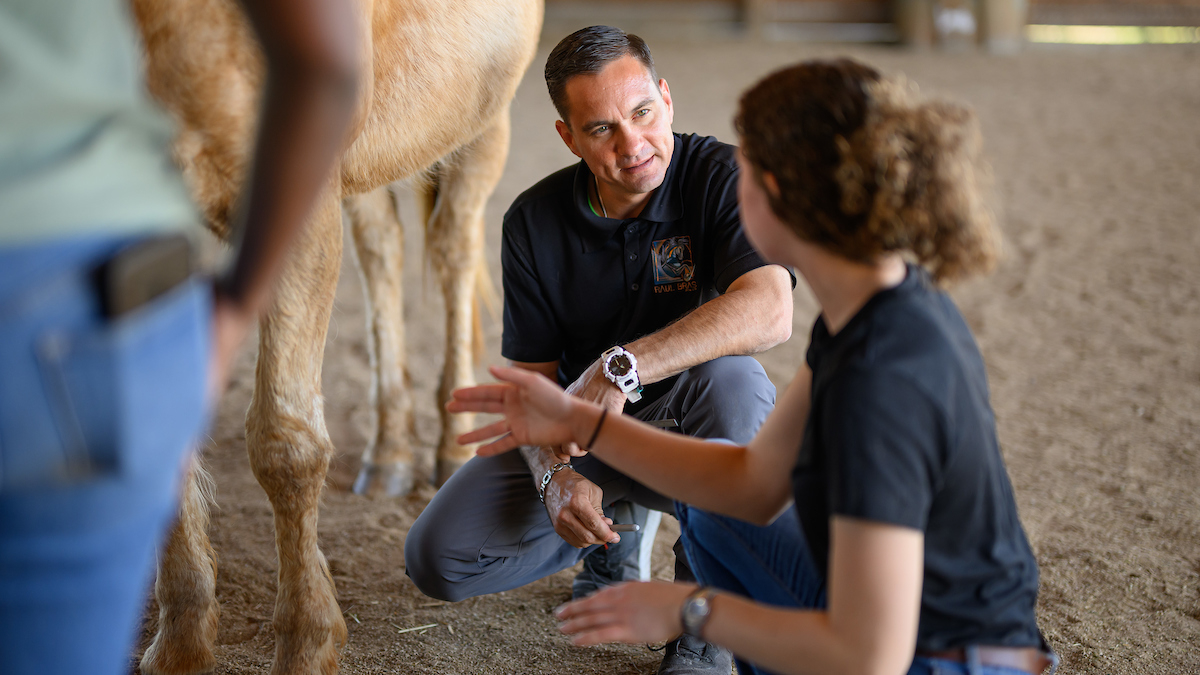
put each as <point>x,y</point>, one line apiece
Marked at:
<point>442,73</point>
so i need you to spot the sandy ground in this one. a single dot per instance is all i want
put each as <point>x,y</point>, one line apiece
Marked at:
<point>1089,330</point>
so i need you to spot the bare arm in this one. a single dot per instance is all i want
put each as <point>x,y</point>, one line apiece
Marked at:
<point>754,314</point>
<point>869,628</point>
<point>752,483</point>
<point>312,54</point>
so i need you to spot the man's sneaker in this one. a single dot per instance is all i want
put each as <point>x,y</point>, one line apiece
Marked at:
<point>687,655</point>
<point>626,560</point>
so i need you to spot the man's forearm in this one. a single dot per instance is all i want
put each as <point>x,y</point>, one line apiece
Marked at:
<point>753,315</point>
<point>539,460</point>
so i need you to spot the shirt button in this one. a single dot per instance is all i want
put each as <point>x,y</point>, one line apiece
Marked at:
<point>633,256</point>
<point>635,287</point>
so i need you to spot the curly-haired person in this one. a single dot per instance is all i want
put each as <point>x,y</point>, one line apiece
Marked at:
<point>892,542</point>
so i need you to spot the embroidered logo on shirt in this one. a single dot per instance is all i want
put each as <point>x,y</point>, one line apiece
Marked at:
<point>673,266</point>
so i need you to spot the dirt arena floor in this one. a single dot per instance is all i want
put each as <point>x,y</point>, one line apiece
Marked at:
<point>1089,329</point>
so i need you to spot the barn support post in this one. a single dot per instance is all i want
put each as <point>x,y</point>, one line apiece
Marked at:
<point>914,22</point>
<point>756,14</point>
<point>1002,25</point>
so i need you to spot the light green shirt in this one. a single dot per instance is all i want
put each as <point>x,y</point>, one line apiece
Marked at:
<point>83,150</point>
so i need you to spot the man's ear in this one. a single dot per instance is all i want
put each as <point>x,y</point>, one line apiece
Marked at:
<point>564,132</point>
<point>666,97</point>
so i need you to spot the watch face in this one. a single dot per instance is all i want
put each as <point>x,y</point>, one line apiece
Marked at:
<point>695,611</point>
<point>619,365</point>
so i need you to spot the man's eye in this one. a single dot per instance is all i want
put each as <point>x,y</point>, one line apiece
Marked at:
<point>643,112</point>
<point>599,130</point>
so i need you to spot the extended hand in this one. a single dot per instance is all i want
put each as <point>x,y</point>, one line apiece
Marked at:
<point>637,612</point>
<point>574,505</point>
<point>536,411</point>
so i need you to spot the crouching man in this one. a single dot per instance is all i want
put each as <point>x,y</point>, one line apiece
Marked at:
<point>627,279</point>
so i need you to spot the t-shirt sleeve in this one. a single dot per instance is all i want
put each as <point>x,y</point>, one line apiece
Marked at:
<point>733,254</point>
<point>531,333</point>
<point>884,438</point>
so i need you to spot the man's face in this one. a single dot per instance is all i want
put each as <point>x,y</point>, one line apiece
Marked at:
<point>620,124</point>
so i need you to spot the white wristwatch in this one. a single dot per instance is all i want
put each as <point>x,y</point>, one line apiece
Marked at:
<point>620,367</point>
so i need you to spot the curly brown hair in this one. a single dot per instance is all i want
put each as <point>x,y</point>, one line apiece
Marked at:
<point>865,167</point>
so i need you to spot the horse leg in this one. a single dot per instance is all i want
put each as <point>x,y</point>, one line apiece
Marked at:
<point>186,588</point>
<point>290,449</point>
<point>454,243</point>
<point>387,463</point>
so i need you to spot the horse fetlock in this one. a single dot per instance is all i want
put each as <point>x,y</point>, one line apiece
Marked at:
<point>309,633</point>
<point>318,655</point>
<point>184,643</point>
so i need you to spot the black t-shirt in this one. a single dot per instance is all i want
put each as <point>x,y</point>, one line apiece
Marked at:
<point>576,284</point>
<point>901,431</point>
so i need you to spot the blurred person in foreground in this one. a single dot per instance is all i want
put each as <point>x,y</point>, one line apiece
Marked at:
<point>112,354</point>
<point>893,543</point>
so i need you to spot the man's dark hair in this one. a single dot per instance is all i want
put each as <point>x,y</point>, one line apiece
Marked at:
<point>586,52</point>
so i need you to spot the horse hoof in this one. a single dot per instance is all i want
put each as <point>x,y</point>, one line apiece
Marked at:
<point>390,480</point>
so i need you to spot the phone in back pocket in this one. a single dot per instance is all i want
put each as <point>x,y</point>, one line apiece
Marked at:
<point>142,272</point>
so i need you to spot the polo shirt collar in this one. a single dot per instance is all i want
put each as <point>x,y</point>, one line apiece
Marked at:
<point>665,205</point>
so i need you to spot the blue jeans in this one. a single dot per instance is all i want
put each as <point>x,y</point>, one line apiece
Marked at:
<point>96,419</point>
<point>774,566</point>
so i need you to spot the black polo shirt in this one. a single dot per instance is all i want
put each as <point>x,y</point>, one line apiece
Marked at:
<point>576,283</point>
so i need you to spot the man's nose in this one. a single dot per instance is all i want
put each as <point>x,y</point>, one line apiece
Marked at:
<point>629,142</point>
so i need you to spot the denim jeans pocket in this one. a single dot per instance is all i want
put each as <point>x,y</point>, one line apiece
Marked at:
<point>119,390</point>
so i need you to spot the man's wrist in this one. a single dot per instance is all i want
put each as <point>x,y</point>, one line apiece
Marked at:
<point>538,459</point>
<point>548,477</point>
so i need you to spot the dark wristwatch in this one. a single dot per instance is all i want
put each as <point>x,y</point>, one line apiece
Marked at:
<point>696,610</point>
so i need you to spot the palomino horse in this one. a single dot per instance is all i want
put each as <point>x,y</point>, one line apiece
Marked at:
<point>440,77</point>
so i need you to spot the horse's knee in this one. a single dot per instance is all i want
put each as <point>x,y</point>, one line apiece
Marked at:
<point>288,455</point>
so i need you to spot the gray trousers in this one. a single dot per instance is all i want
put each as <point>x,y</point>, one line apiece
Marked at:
<point>485,530</point>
